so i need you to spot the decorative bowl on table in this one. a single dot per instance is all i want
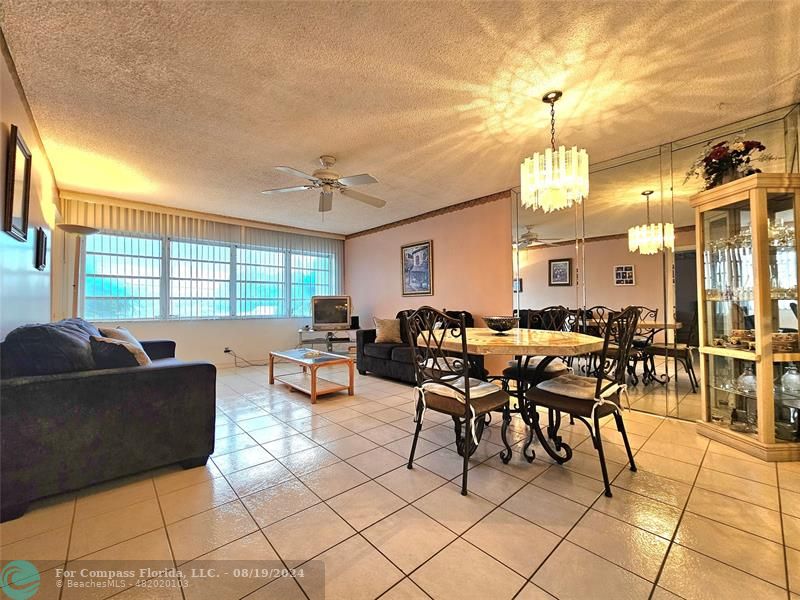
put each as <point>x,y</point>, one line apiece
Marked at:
<point>501,324</point>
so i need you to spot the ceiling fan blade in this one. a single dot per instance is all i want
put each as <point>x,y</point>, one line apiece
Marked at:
<point>365,198</point>
<point>297,188</point>
<point>296,173</point>
<point>363,179</point>
<point>325,201</point>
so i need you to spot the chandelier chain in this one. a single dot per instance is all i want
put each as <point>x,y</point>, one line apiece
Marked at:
<point>553,125</point>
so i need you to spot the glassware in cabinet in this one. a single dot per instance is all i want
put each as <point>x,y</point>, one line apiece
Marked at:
<point>787,402</point>
<point>731,390</point>
<point>728,276</point>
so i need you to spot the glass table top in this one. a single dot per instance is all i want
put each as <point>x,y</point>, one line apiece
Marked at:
<point>309,356</point>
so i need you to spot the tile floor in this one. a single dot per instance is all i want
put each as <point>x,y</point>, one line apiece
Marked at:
<point>294,482</point>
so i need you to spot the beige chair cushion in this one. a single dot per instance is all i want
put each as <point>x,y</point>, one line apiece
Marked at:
<point>387,331</point>
<point>477,388</point>
<point>456,407</point>
<point>575,386</point>
<point>556,366</point>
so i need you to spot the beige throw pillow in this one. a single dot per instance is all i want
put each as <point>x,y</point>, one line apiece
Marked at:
<point>111,353</point>
<point>123,335</point>
<point>387,331</point>
<point>119,333</point>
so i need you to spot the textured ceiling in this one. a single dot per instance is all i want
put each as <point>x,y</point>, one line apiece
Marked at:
<point>190,104</point>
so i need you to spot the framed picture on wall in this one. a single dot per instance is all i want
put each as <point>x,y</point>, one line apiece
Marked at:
<point>40,261</point>
<point>18,186</point>
<point>417,264</point>
<point>624,275</point>
<point>559,272</point>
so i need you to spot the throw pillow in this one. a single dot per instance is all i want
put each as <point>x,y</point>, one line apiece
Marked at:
<point>387,331</point>
<point>110,353</point>
<point>122,334</point>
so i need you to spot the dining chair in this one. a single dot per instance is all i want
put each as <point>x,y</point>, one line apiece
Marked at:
<point>589,399</point>
<point>594,323</point>
<point>641,340</point>
<point>444,384</point>
<point>680,351</point>
<point>552,318</point>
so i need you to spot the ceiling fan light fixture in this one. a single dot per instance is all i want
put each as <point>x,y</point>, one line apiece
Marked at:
<point>558,177</point>
<point>327,181</point>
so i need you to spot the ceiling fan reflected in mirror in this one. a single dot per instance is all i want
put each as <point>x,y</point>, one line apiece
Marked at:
<point>531,239</point>
<point>328,181</point>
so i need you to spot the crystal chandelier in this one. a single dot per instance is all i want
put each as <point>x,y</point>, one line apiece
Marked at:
<point>651,238</point>
<point>559,177</point>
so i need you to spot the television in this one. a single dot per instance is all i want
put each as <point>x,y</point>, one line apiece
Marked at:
<point>330,312</point>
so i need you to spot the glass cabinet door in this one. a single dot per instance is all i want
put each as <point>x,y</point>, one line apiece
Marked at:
<point>781,210</point>
<point>787,402</point>
<point>728,272</point>
<point>782,270</point>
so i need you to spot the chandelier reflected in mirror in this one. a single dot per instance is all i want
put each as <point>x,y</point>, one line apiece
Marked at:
<point>651,238</point>
<point>556,178</point>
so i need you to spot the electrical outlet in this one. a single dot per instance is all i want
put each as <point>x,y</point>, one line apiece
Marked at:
<point>227,350</point>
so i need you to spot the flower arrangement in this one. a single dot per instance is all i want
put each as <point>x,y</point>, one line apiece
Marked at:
<point>726,161</point>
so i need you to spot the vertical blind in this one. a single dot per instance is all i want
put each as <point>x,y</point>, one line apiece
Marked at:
<point>149,264</point>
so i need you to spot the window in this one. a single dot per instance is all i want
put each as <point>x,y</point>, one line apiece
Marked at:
<point>123,277</point>
<point>311,276</point>
<point>260,283</point>
<point>130,277</point>
<point>199,280</point>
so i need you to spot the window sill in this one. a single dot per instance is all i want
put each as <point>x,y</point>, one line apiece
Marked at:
<point>195,319</point>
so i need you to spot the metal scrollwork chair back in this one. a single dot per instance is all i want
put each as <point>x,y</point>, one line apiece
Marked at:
<point>551,318</point>
<point>444,383</point>
<point>526,371</point>
<point>617,347</point>
<point>427,328</point>
<point>589,399</point>
<point>642,339</point>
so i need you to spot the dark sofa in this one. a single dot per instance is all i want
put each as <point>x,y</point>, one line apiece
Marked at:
<point>66,430</point>
<point>394,360</point>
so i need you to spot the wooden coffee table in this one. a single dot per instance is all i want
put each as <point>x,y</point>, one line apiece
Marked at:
<point>307,380</point>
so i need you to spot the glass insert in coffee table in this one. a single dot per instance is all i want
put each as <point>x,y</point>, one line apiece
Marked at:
<point>307,380</point>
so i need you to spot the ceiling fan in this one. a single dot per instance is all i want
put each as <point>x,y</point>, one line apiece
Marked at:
<point>530,238</point>
<point>328,180</point>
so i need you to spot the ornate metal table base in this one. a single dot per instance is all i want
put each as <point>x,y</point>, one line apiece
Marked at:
<point>530,415</point>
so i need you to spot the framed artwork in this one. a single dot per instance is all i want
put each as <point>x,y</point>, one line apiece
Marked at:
<point>517,286</point>
<point>41,249</point>
<point>18,186</point>
<point>417,264</point>
<point>559,272</point>
<point>624,275</point>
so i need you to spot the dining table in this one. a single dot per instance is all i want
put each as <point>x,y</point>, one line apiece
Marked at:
<point>641,325</point>
<point>524,344</point>
<point>651,329</point>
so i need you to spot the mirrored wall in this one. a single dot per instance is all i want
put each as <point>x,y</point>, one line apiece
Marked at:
<point>592,240</point>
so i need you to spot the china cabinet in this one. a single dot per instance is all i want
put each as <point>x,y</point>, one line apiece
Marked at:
<point>747,309</point>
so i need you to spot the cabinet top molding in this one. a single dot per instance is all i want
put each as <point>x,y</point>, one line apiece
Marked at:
<point>772,181</point>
